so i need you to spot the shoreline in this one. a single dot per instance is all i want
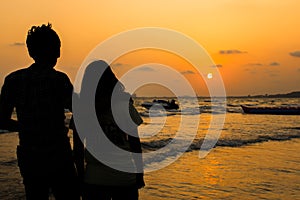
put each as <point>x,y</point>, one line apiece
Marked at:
<point>267,170</point>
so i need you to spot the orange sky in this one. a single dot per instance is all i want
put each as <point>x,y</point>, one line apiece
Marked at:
<point>255,43</point>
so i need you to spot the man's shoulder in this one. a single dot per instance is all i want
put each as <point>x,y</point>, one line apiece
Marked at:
<point>21,74</point>
<point>62,79</point>
<point>18,74</point>
<point>60,74</point>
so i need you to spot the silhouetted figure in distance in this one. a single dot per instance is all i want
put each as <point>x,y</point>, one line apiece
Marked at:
<point>40,94</point>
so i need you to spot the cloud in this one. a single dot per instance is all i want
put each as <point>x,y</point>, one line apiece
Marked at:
<point>254,64</point>
<point>217,65</point>
<point>17,44</point>
<point>295,53</point>
<point>298,70</point>
<point>274,64</point>
<point>146,69</point>
<point>231,51</point>
<point>188,72</point>
<point>116,65</point>
<point>258,64</point>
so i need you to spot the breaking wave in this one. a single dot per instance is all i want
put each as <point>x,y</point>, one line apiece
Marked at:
<point>197,143</point>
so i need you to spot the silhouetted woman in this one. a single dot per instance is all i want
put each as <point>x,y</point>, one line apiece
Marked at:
<point>102,180</point>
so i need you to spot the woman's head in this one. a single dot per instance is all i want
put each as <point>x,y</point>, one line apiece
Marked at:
<point>108,83</point>
<point>100,73</point>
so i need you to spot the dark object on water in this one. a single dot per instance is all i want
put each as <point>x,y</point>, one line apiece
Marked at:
<point>272,110</point>
<point>156,104</point>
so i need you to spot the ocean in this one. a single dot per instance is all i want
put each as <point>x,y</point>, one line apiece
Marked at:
<point>253,156</point>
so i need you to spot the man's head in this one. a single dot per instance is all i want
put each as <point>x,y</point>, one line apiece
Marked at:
<point>43,45</point>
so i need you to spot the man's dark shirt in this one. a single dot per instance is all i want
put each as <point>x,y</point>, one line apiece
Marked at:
<point>40,97</point>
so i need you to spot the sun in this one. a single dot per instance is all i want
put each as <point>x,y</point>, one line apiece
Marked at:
<point>209,76</point>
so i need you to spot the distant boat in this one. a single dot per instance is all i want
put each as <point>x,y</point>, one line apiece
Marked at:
<point>157,104</point>
<point>272,110</point>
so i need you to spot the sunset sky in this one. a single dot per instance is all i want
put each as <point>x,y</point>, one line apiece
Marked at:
<point>255,44</point>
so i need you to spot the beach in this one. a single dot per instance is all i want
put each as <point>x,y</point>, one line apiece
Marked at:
<point>255,157</point>
<point>268,170</point>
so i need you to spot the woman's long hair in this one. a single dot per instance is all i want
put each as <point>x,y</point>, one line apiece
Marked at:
<point>107,83</point>
<point>100,73</point>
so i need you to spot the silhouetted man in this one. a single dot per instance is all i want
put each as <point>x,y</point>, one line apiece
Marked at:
<point>40,94</point>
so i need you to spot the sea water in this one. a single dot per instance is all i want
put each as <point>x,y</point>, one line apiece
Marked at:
<point>254,157</point>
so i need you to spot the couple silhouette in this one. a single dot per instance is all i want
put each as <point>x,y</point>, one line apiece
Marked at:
<point>40,94</point>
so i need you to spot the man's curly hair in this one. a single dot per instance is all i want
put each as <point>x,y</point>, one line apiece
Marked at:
<point>40,39</point>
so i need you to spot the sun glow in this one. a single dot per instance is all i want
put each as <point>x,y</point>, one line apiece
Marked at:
<point>209,75</point>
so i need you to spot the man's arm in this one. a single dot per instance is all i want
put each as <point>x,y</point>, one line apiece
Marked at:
<point>78,151</point>
<point>67,90</point>
<point>6,109</point>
